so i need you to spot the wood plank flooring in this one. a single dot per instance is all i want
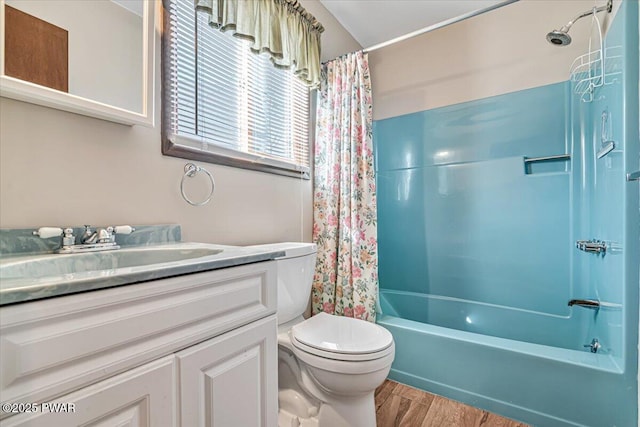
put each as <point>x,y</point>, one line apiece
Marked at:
<point>398,405</point>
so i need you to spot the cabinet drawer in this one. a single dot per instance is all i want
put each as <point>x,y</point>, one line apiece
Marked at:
<point>142,397</point>
<point>51,347</point>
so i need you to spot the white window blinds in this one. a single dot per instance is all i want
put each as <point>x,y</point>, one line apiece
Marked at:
<point>224,104</point>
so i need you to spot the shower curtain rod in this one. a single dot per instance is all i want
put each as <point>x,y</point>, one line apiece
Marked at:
<point>438,25</point>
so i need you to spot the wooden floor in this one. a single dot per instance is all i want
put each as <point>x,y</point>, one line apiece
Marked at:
<point>404,406</point>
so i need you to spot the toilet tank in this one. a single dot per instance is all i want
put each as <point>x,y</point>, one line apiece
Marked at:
<point>295,277</point>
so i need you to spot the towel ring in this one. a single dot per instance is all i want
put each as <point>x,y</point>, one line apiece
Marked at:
<point>190,170</point>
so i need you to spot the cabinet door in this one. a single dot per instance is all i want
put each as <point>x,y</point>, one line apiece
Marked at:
<point>231,380</point>
<point>140,397</point>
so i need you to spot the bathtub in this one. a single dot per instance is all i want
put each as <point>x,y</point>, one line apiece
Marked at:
<point>517,363</point>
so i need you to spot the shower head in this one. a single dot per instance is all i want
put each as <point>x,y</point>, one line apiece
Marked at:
<point>561,37</point>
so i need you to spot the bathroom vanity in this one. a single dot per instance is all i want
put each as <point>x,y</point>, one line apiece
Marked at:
<point>188,350</point>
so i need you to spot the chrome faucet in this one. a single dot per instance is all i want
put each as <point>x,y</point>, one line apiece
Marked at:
<point>102,239</point>
<point>101,235</point>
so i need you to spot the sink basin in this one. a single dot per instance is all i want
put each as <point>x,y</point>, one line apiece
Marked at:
<point>49,265</point>
<point>31,277</point>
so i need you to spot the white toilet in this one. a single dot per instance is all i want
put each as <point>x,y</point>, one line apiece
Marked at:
<point>328,366</point>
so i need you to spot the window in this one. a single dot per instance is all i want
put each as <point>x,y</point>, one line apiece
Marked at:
<point>224,104</point>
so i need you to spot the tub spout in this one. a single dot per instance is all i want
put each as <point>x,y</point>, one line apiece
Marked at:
<point>588,303</point>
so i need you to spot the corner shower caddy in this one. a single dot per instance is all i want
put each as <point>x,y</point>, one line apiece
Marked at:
<point>596,67</point>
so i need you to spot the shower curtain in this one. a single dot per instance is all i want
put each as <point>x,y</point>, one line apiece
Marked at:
<point>344,215</point>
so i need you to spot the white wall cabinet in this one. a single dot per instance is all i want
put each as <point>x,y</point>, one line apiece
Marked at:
<point>190,351</point>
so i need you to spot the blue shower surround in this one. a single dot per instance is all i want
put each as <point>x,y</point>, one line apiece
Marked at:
<point>460,218</point>
<point>477,256</point>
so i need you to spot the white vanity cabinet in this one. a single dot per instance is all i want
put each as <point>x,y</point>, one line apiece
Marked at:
<point>143,396</point>
<point>193,350</point>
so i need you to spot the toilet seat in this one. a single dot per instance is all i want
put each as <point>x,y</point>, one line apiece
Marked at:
<point>341,338</point>
<point>361,357</point>
<point>382,360</point>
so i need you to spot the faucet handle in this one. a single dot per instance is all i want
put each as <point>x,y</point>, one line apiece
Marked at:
<point>46,232</point>
<point>123,229</point>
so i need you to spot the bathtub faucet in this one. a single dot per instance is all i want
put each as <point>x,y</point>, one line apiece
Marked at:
<point>588,303</point>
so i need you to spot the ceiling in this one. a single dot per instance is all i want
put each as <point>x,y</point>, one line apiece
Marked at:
<point>134,6</point>
<point>375,21</point>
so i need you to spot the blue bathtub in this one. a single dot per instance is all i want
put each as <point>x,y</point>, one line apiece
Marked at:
<point>515,362</point>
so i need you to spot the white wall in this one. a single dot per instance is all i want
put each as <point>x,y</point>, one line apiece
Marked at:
<point>105,46</point>
<point>57,168</point>
<point>501,51</point>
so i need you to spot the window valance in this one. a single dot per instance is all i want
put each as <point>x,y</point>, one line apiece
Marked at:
<point>283,28</point>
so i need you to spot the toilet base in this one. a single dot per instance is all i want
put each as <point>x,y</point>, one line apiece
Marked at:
<point>302,403</point>
<point>351,412</point>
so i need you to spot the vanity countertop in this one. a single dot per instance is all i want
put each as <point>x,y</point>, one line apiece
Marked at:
<point>33,277</point>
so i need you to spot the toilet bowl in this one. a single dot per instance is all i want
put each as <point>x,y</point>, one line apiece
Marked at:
<point>338,362</point>
<point>328,366</point>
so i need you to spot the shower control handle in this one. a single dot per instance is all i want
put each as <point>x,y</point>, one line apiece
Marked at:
<point>595,246</point>
<point>633,176</point>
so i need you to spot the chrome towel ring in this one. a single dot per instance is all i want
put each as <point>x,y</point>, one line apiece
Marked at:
<point>190,170</point>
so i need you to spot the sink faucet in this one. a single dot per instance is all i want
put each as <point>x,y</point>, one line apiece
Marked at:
<point>101,235</point>
<point>102,239</point>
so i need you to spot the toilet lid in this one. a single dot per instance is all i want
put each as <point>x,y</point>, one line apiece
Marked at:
<point>344,335</point>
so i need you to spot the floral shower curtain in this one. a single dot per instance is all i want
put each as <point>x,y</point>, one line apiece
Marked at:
<point>344,216</point>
